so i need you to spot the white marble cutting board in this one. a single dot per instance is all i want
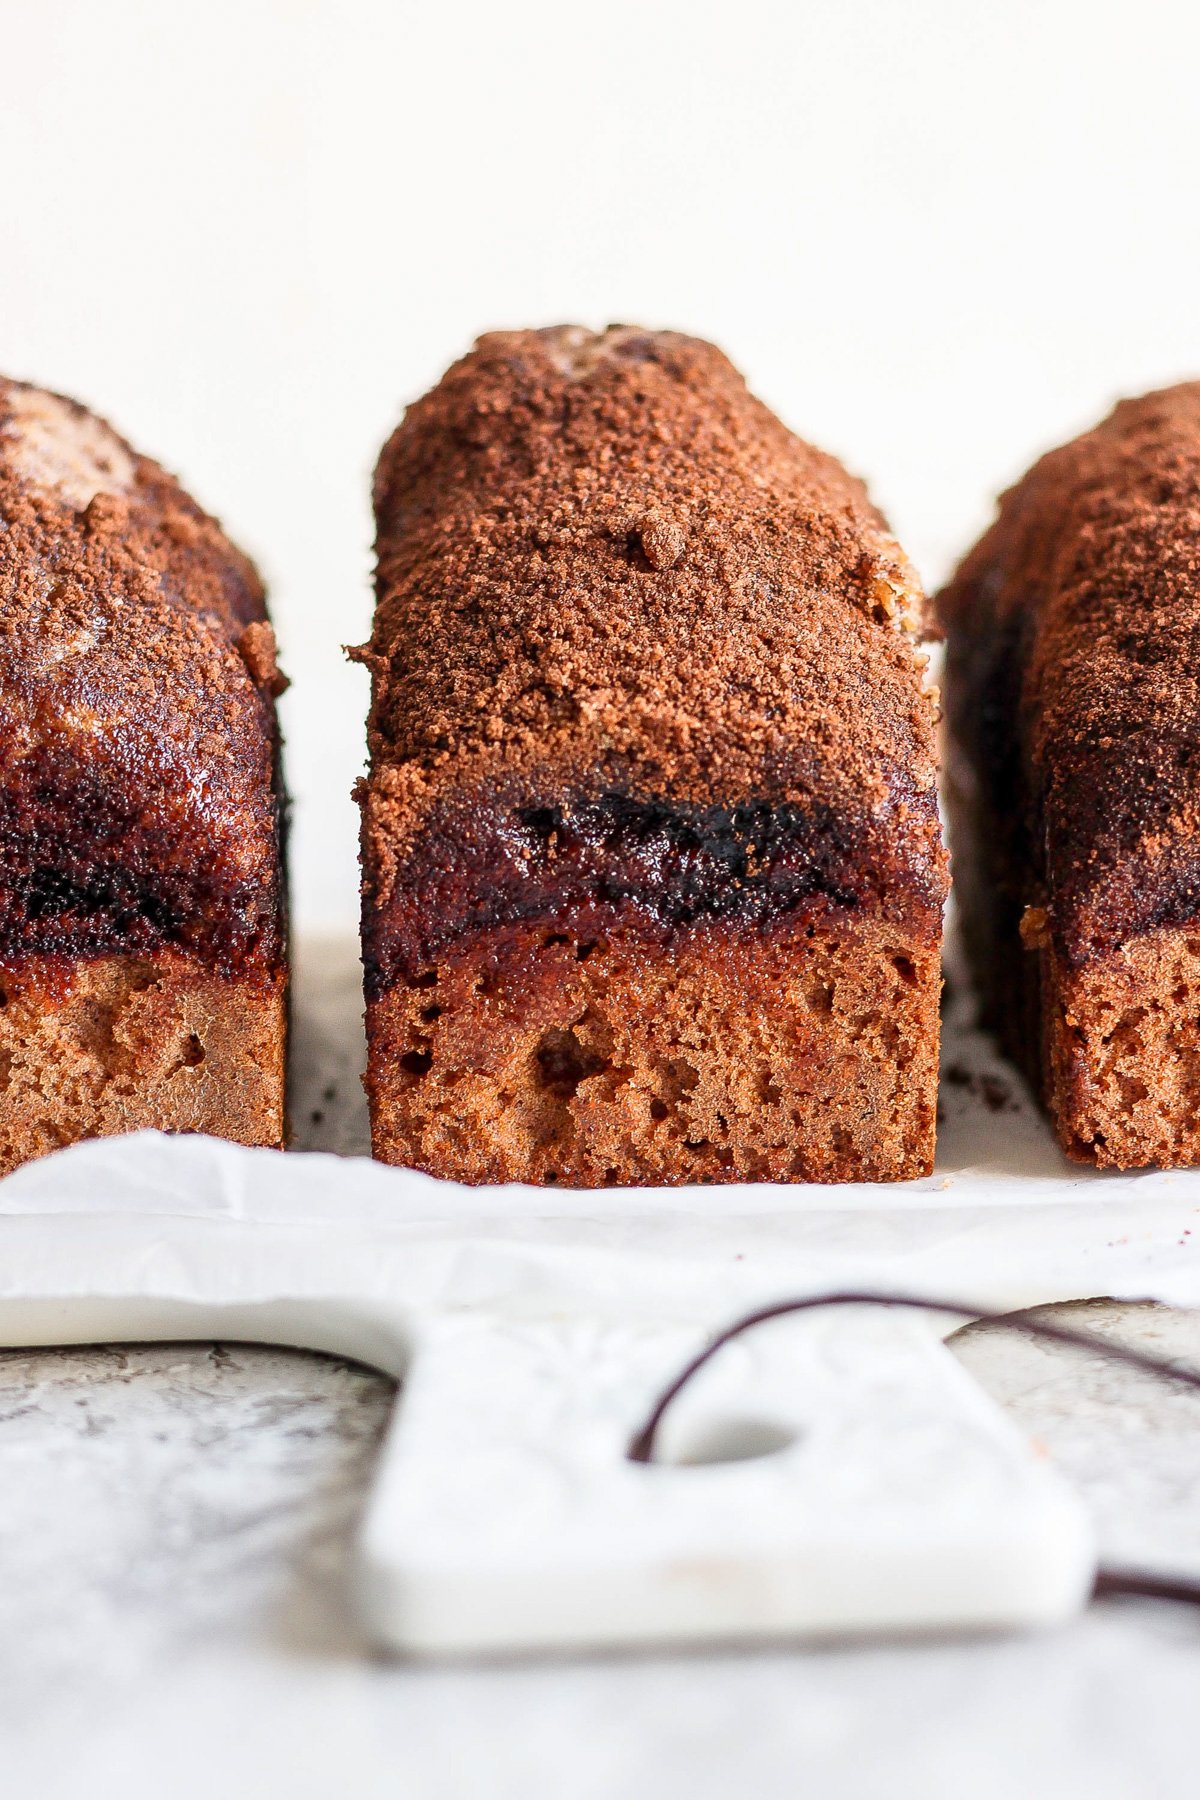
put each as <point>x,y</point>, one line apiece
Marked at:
<point>829,1474</point>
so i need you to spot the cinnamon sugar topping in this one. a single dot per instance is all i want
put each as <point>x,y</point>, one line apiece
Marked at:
<point>138,798</point>
<point>601,546</point>
<point>63,451</point>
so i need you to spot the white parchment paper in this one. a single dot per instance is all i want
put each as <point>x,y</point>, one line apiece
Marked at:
<point>1005,1220</point>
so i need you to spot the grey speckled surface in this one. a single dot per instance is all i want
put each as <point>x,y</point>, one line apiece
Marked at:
<point>174,1532</point>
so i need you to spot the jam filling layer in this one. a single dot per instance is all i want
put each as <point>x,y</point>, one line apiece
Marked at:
<point>666,867</point>
<point>84,873</point>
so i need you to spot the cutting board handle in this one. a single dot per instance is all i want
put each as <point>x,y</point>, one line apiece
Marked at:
<point>829,1474</point>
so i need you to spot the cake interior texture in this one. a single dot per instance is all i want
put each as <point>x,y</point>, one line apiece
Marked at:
<point>143,959</point>
<point>664,1015</point>
<point>1073,697</point>
<point>1121,1043</point>
<point>127,1043</point>
<point>653,875</point>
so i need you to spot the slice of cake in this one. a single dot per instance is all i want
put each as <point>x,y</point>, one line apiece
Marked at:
<point>653,875</point>
<point>1073,685</point>
<point>142,955</point>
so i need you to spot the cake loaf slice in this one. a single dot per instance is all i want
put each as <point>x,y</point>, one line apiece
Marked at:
<point>1073,684</point>
<point>142,954</point>
<point>653,875</point>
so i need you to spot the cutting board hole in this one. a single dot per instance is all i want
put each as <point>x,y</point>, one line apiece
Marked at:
<point>704,1443</point>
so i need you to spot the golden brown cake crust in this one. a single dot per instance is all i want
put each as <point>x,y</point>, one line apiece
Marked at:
<point>1073,693</point>
<point>647,709</point>
<point>139,804</point>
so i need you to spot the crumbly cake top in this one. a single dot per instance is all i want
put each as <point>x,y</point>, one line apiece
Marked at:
<point>137,731</point>
<point>600,559</point>
<point>1075,643</point>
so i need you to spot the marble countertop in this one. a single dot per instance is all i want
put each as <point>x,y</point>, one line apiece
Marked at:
<point>175,1523</point>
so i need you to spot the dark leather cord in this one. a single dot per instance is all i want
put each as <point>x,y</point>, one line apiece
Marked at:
<point>1108,1581</point>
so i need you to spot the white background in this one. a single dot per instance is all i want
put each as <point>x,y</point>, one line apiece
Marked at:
<point>937,236</point>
